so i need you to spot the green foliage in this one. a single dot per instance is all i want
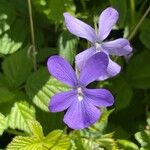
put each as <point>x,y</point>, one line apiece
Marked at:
<point>6,95</point>
<point>7,15</point>
<point>41,87</point>
<point>53,9</point>
<point>67,46</point>
<point>19,116</point>
<point>55,140</point>
<point>143,138</point>
<point>144,36</point>
<point>122,98</point>
<point>139,71</point>
<point>127,145</point>
<point>17,67</point>
<point>3,123</point>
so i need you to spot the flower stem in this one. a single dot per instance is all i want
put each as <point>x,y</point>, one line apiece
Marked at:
<point>132,6</point>
<point>34,52</point>
<point>138,25</point>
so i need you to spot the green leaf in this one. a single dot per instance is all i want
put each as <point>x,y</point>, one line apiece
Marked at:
<point>12,40</point>
<point>3,123</point>
<point>7,15</point>
<point>138,70</point>
<point>53,9</point>
<point>143,138</point>
<point>67,46</point>
<point>6,107</point>
<point>41,87</point>
<point>44,53</point>
<point>122,98</point>
<point>121,6</point>
<point>17,67</point>
<point>55,140</point>
<point>19,116</point>
<point>36,129</point>
<point>6,95</point>
<point>127,145</point>
<point>145,37</point>
<point>99,127</point>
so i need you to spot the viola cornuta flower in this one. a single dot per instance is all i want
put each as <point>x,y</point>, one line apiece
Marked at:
<point>107,20</point>
<point>81,103</point>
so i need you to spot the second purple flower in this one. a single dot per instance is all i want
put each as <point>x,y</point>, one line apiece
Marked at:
<point>107,20</point>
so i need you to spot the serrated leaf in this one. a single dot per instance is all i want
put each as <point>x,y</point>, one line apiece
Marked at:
<point>143,138</point>
<point>12,40</point>
<point>138,70</point>
<point>41,87</point>
<point>99,127</point>
<point>36,129</point>
<point>55,140</point>
<point>17,67</point>
<point>19,116</point>
<point>7,15</point>
<point>3,123</point>
<point>26,143</point>
<point>67,46</point>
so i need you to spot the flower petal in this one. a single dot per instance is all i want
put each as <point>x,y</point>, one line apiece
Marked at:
<point>81,115</point>
<point>112,70</point>
<point>107,20</point>
<point>79,28</point>
<point>119,47</point>
<point>93,68</point>
<point>82,57</point>
<point>62,101</point>
<point>61,70</point>
<point>99,97</point>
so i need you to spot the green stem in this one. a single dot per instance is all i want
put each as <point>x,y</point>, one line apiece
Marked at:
<point>138,25</point>
<point>132,5</point>
<point>34,52</point>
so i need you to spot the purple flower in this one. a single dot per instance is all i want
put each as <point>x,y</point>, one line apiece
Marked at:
<point>81,103</point>
<point>107,20</point>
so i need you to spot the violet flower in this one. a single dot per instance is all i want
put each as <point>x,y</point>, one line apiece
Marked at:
<point>81,103</point>
<point>107,20</point>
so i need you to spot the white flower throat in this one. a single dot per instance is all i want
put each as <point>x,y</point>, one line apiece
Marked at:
<point>79,94</point>
<point>98,46</point>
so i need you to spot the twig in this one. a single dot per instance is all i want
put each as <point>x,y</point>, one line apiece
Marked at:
<point>138,25</point>
<point>34,52</point>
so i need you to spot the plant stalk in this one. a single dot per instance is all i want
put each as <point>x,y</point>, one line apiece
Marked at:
<point>34,52</point>
<point>138,25</point>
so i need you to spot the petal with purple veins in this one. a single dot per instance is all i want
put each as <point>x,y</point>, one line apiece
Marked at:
<point>99,97</point>
<point>107,20</point>
<point>62,101</point>
<point>62,70</point>
<point>112,70</point>
<point>94,67</point>
<point>119,47</point>
<point>81,115</point>
<point>82,57</point>
<point>79,28</point>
